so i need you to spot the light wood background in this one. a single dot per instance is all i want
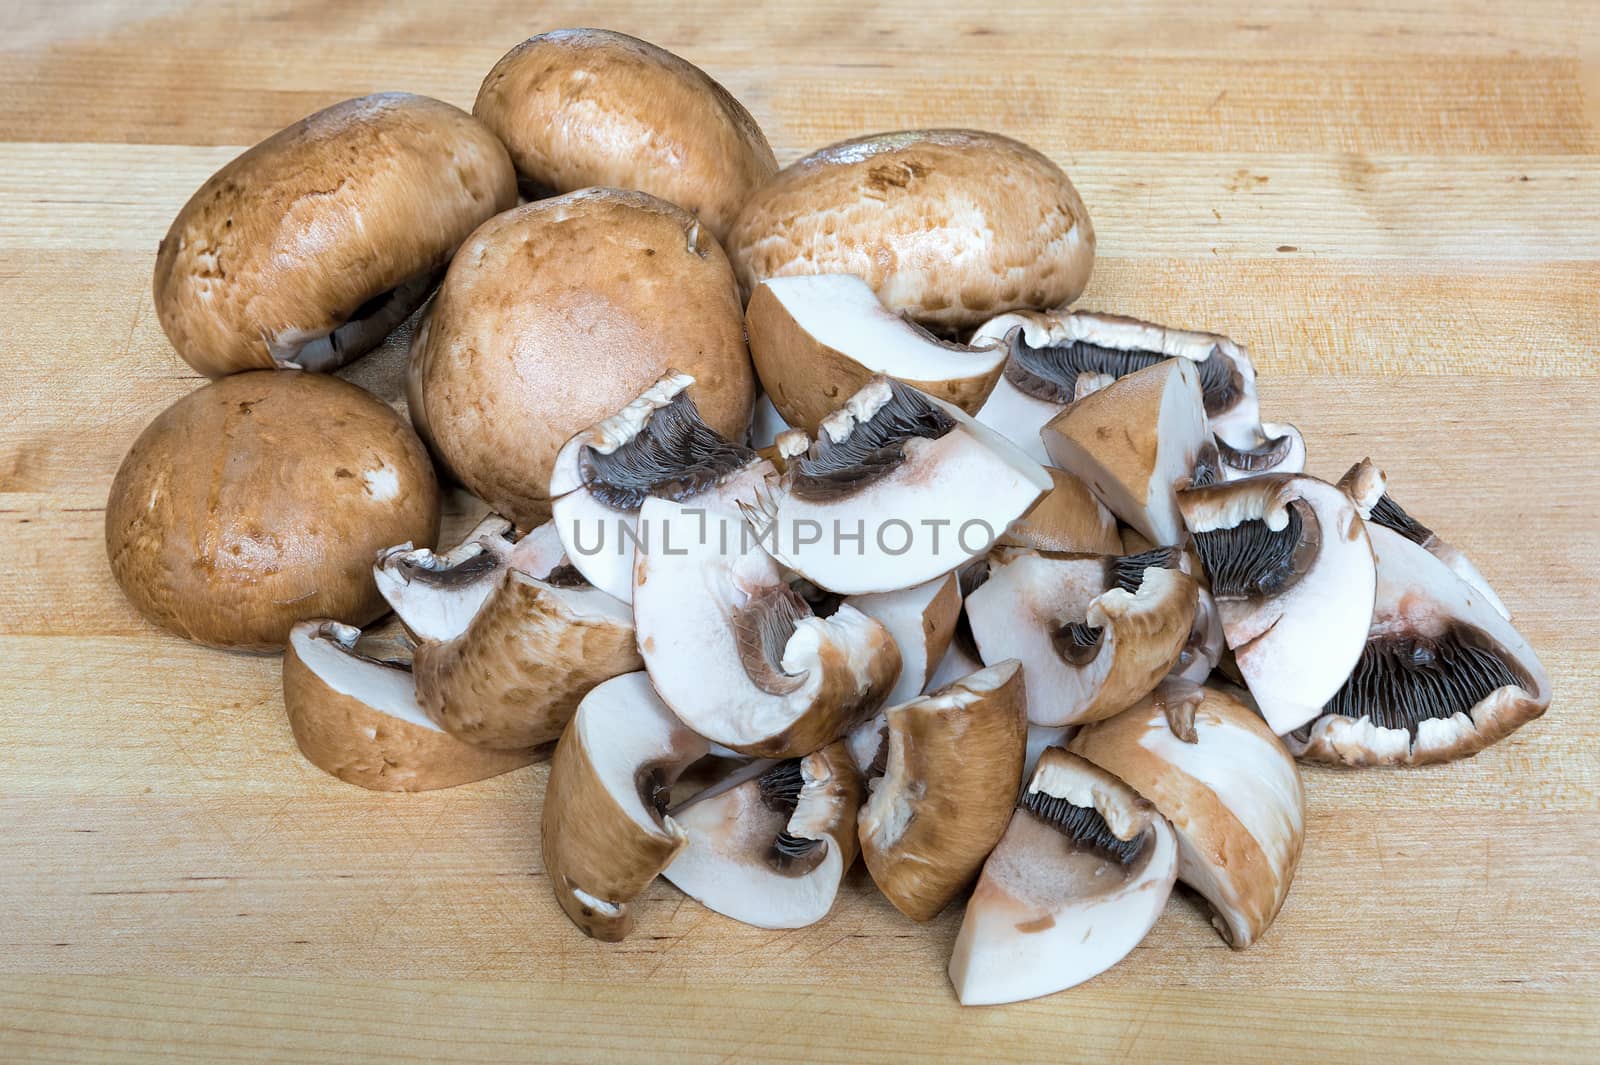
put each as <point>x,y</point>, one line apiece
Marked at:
<point>1399,210</point>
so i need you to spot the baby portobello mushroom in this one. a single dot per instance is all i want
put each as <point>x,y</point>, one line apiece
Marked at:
<point>734,649</point>
<point>1093,634</point>
<point>922,619</point>
<point>1136,442</point>
<point>770,846</point>
<point>1067,518</point>
<point>1226,784</point>
<point>950,227</point>
<point>1077,881</point>
<point>951,772</point>
<point>586,107</point>
<point>899,488</point>
<point>605,832</point>
<point>818,338</point>
<point>308,249</point>
<point>558,313</point>
<point>359,720</point>
<point>1291,570</point>
<point>258,501</point>
<point>656,445</point>
<point>1442,675</point>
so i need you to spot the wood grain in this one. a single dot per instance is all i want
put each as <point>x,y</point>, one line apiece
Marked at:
<point>1398,210</point>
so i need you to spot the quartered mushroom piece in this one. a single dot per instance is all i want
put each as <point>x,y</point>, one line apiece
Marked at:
<point>1291,570</point>
<point>656,445</point>
<point>922,619</point>
<point>1077,881</point>
<point>606,833</point>
<point>1230,790</point>
<point>1066,518</point>
<point>770,845</point>
<point>899,488</point>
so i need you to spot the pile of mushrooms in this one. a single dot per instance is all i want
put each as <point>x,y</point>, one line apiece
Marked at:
<point>820,524</point>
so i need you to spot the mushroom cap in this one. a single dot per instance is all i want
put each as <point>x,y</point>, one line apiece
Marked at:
<point>259,500</point>
<point>947,790</point>
<point>359,720</point>
<point>921,619</point>
<point>1233,796</point>
<point>1296,645</point>
<point>283,244</point>
<point>948,226</point>
<point>586,107</point>
<point>1068,518</point>
<point>1050,912</point>
<point>557,314</point>
<point>602,842</point>
<point>817,338</point>
<point>1135,442</point>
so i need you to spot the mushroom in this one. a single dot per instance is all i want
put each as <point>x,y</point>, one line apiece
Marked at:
<point>308,249</point>
<point>1068,518</point>
<point>771,849</point>
<point>950,780</point>
<point>921,619</point>
<point>358,718</point>
<point>589,107</point>
<point>605,831</point>
<point>258,501</point>
<point>1136,442</point>
<point>1231,792</point>
<point>656,445</point>
<point>734,649</point>
<point>1077,881</point>
<point>817,338</point>
<point>1442,674</point>
<point>1057,357</point>
<point>939,487</point>
<point>556,314</point>
<point>1291,570</point>
<point>1369,487</point>
<point>949,227</point>
<point>1094,634</point>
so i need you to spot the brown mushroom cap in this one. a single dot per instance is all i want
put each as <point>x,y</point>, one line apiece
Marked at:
<point>291,239</point>
<point>948,226</point>
<point>557,314</point>
<point>588,107</point>
<point>260,500</point>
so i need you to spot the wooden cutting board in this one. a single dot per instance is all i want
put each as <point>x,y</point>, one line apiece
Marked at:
<point>1400,213</point>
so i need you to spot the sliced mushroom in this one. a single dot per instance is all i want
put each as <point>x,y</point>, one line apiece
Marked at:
<point>949,783</point>
<point>922,619</point>
<point>819,338</point>
<point>899,488</point>
<point>1290,567</point>
<point>606,833</point>
<point>960,660</point>
<point>1093,634</point>
<point>736,652</point>
<point>1231,792</point>
<point>1077,881</point>
<point>1442,675</point>
<point>1067,518</point>
<point>1135,443</point>
<point>358,718</point>
<point>771,850</point>
<point>656,445</point>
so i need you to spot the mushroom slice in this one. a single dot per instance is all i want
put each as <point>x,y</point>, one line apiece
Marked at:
<point>922,620</point>
<point>820,337</point>
<point>899,488</point>
<point>1068,518</point>
<point>656,445</point>
<point>949,783</point>
<point>1136,442</point>
<point>1291,570</point>
<point>1369,487</point>
<point>1442,676</point>
<point>736,652</point>
<point>1232,794</point>
<point>1077,881</point>
<point>1093,634</point>
<point>606,833</point>
<point>358,718</point>
<point>772,850</point>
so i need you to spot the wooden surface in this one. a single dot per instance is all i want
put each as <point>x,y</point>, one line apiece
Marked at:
<point>1400,212</point>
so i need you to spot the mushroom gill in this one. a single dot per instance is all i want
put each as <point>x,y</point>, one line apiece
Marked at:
<point>1251,559</point>
<point>1084,825</point>
<point>1051,372</point>
<point>779,788</point>
<point>674,454</point>
<point>851,453</point>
